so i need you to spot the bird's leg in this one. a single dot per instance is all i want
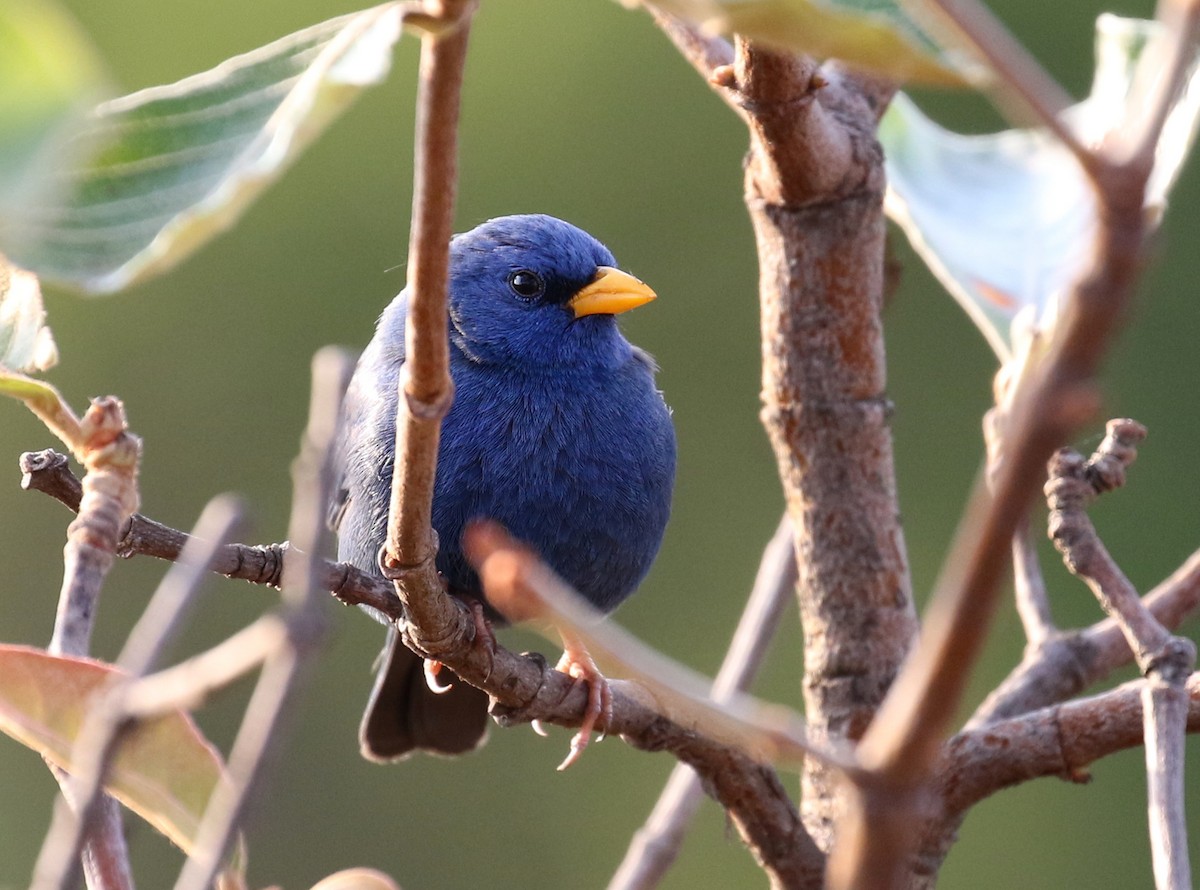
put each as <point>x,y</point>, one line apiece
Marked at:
<point>577,662</point>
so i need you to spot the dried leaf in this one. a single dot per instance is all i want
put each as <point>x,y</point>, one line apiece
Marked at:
<point>165,770</point>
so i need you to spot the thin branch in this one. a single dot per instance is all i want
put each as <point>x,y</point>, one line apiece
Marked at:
<point>108,495</point>
<point>177,591</point>
<point>1029,588</point>
<point>1166,661</point>
<point>1071,662</point>
<point>1019,75</point>
<point>303,616</point>
<point>188,684</point>
<point>1062,741</point>
<point>48,472</point>
<point>656,845</point>
<point>1161,73</point>
<point>98,739</point>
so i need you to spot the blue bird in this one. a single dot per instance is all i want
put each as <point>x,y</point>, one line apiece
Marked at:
<point>557,432</point>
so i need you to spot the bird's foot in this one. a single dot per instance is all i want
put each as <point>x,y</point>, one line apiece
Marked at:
<point>483,636</point>
<point>577,662</point>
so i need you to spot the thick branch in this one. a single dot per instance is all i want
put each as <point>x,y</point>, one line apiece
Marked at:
<point>814,187</point>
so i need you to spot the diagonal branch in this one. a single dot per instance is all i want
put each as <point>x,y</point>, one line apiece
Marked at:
<point>657,843</point>
<point>303,615</point>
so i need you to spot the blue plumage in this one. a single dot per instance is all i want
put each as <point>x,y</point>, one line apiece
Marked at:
<point>557,431</point>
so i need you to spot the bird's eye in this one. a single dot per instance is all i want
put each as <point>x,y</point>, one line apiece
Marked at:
<point>526,285</point>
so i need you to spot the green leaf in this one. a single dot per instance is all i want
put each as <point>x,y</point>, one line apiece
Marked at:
<point>1007,220</point>
<point>26,344</point>
<point>180,163</point>
<point>165,770</point>
<point>878,35</point>
<point>49,77</point>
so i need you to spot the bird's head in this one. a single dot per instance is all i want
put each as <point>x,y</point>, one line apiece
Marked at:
<point>537,292</point>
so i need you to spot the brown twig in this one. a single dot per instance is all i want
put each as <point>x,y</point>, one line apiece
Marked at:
<point>1166,661</point>
<point>1029,588</point>
<point>426,389</point>
<point>48,472</point>
<point>108,495</point>
<point>749,790</point>
<point>303,617</point>
<point>656,844</point>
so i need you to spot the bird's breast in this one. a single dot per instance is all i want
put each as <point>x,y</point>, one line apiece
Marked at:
<point>579,466</point>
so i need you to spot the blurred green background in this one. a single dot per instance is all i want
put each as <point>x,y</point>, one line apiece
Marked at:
<point>582,110</point>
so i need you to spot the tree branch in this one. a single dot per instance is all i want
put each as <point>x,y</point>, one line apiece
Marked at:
<point>656,844</point>
<point>108,495</point>
<point>1062,740</point>
<point>426,389</point>
<point>523,688</point>
<point>1165,661</point>
<point>303,616</point>
<point>814,188</point>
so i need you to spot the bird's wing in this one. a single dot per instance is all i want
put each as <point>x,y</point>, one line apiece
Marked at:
<point>369,394</point>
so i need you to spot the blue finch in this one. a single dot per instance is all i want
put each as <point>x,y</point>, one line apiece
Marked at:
<point>557,431</point>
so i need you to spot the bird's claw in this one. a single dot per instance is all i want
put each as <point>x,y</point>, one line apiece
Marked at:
<point>436,686</point>
<point>576,662</point>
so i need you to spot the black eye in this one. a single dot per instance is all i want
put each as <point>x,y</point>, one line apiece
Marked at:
<point>526,285</point>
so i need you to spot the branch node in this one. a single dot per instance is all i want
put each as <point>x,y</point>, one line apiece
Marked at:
<point>433,408</point>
